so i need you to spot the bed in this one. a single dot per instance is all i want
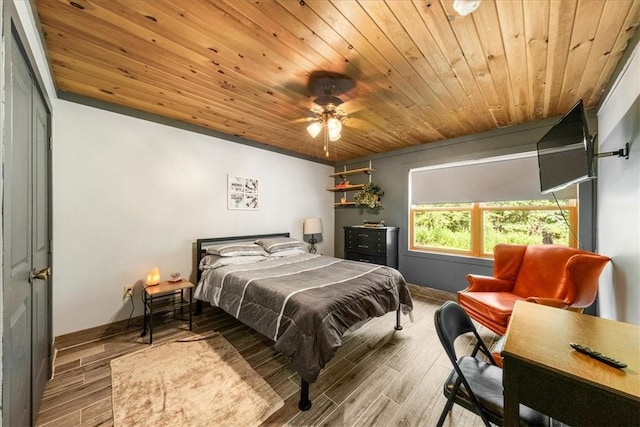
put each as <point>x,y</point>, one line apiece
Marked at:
<point>304,302</point>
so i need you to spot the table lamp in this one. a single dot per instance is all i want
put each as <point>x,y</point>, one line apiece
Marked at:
<point>153,278</point>
<point>312,226</point>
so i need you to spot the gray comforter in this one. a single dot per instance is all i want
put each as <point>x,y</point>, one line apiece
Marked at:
<point>305,303</point>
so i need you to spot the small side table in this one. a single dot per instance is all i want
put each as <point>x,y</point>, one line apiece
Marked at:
<point>161,298</point>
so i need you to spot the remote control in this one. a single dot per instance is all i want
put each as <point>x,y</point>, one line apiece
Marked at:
<point>598,356</point>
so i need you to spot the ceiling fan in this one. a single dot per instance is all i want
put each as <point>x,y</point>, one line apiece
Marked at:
<point>328,117</point>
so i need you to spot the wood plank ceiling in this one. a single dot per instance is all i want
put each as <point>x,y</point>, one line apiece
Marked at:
<point>422,72</point>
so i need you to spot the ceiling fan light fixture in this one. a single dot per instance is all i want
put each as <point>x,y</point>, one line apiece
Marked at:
<point>314,129</point>
<point>465,7</point>
<point>329,102</point>
<point>328,120</point>
<point>334,128</point>
<point>334,125</point>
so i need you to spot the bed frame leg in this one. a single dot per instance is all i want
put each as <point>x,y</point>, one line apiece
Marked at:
<point>198,307</point>
<point>398,326</point>
<point>305,403</point>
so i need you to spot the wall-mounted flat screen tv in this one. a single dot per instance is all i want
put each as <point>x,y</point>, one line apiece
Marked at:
<point>565,152</point>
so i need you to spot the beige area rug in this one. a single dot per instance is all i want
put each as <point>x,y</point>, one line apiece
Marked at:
<point>198,382</point>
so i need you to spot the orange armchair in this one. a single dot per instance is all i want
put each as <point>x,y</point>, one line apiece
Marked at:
<point>554,275</point>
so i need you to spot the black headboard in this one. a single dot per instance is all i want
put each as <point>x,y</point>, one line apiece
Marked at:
<point>203,243</point>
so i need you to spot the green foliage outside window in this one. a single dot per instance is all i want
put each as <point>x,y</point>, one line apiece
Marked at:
<point>525,227</point>
<point>443,229</point>
<point>450,226</point>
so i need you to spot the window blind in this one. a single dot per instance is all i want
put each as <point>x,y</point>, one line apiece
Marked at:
<point>504,178</point>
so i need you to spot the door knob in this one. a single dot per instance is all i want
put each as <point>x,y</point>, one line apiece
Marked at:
<point>42,274</point>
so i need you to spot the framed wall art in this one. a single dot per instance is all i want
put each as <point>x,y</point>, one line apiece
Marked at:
<point>242,193</point>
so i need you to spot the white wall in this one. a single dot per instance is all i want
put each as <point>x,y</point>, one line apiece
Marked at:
<point>619,197</point>
<point>129,195</point>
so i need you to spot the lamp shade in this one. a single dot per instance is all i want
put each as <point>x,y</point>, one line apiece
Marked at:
<point>314,129</point>
<point>312,226</point>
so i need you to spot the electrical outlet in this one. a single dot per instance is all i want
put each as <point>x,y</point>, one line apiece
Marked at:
<point>128,292</point>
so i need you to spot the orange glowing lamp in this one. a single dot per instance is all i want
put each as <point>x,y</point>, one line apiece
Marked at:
<point>153,278</point>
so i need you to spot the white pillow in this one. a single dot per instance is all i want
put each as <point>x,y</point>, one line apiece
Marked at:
<point>236,249</point>
<point>215,261</point>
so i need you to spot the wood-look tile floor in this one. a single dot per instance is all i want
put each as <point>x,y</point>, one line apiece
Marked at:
<point>378,377</point>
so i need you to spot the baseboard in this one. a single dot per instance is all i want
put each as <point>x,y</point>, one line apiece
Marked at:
<point>120,327</point>
<point>92,334</point>
<point>431,293</point>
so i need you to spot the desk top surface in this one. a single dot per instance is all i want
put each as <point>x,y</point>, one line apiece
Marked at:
<point>540,335</point>
<point>166,287</point>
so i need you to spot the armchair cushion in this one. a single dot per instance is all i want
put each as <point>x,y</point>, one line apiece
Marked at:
<point>554,275</point>
<point>492,309</point>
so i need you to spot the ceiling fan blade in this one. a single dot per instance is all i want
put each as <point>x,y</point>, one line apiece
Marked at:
<point>355,122</point>
<point>301,120</point>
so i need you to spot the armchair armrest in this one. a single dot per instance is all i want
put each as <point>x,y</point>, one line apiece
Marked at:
<point>478,283</point>
<point>552,302</point>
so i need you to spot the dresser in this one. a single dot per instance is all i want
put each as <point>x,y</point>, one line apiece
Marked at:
<point>377,245</point>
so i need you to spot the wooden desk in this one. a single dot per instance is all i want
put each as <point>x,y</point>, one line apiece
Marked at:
<point>543,372</point>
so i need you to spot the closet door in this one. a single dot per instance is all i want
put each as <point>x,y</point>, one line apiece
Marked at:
<point>40,284</point>
<point>27,313</point>
<point>17,254</point>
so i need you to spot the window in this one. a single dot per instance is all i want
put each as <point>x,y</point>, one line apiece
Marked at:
<point>475,228</point>
<point>468,207</point>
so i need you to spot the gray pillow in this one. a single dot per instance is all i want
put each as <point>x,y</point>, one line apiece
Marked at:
<point>276,244</point>
<point>215,261</point>
<point>236,249</point>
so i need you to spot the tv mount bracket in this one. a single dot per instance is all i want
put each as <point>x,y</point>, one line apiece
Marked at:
<point>623,152</point>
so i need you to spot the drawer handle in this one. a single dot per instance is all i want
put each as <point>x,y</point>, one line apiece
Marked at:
<point>363,246</point>
<point>363,235</point>
<point>365,260</point>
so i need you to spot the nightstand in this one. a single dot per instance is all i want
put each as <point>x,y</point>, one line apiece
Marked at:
<point>166,297</point>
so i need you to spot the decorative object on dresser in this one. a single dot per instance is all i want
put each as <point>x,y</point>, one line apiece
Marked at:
<point>312,226</point>
<point>377,245</point>
<point>200,380</point>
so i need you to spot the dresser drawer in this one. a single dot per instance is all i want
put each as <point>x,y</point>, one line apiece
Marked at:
<point>368,242</point>
<point>353,256</point>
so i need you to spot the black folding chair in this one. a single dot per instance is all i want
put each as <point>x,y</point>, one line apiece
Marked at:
<point>474,384</point>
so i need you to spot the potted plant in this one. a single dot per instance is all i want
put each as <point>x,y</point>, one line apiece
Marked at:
<point>370,196</point>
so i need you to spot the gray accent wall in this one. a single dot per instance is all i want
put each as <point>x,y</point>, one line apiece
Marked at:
<point>446,272</point>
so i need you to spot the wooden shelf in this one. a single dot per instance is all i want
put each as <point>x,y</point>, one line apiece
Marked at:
<point>344,203</point>
<point>346,188</point>
<point>352,172</point>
